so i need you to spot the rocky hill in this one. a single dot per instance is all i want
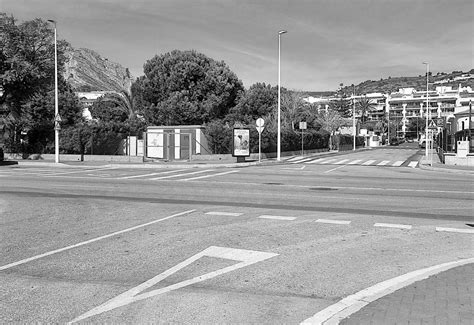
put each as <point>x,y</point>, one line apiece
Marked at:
<point>87,70</point>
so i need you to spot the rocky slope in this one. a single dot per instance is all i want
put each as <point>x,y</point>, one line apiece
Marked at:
<point>87,70</point>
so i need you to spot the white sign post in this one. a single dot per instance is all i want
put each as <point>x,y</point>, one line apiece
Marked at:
<point>303,126</point>
<point>260,122</point>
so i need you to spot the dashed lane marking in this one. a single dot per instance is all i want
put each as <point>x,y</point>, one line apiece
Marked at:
<point>336,222</point>
<point>26,260</point>
<point>212,175</point>
<point>464,231</point>
<point>277,217</point>
<point>393,225</point>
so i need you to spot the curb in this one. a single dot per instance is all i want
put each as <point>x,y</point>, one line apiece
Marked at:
<point>353,303</point>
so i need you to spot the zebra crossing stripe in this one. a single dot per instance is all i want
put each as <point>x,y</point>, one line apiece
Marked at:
<point>413,164</point>
<point>369,162</point>
<point>397,163</point>
<point>295,158</point>
<point>341,162</point>
<point>302,160</point>
<point>355,162</point>
<point>383,163</point>
<point>315,161</point>
<point>327,161</point>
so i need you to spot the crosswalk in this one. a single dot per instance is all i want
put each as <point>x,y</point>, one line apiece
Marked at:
<point>114,173</point>
<point>346,161</point>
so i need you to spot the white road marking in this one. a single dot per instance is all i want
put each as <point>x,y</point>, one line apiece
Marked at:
<point>369,162</point>
<point>296,168</point>
<point>341,162</point>
<point>26,260</point>
<point>295,158</point>
<point>353,303</point>
<point>398,163</point>
<point>230,214</point>
<point>355,162</point>
<point>301,161</point>
<point>277,217</point>
<point>336,222</point>
<point>392,225</point>
<point>327,161</point>
<point>212,175</point>
<point>328,171</point>
<point>79,171</point>
<point>413,164</point>
<point>185,174</point>
<point>383,163</point>
<point>152,174</point>
<point>314,161</point>
<point>465,231</point>
<point>245,257</point>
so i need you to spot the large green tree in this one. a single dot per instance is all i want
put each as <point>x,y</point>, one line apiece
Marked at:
<point>27,80</point>
<point>186,87</point>
<point>257,101</point>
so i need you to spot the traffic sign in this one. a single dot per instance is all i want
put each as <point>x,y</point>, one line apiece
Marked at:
<point>57,118</point>
<point>440,122</point>
<point>260,129</point>
<point>260,122</point>
<point>432,125</point>
<point>303,125</point>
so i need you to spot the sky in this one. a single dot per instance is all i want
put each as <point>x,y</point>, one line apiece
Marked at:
<point>328,42</point>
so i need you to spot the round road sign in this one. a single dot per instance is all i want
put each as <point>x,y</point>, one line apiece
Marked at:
<point>260,122</point>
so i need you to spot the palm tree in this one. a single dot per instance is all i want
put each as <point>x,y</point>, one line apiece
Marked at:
<point>365,105</point>
<point>124,100</point>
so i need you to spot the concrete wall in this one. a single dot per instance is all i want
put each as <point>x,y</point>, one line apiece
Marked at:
<point>452,159</point>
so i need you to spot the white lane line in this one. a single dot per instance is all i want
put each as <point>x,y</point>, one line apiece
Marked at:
<point>328,171</point>
<point>185,174</point>
<point>357,161</point>
<point>229,214</point>
<point>212,175</point>
<point>383,163</point>
<point>152,174</point>
<point>413,164</point>
<point>277,217</point>
<point>369,162</point>
<point>353,303</point>
<point>465,231</point>
<point>392,225</point>
<point>398,163</point>
<point>336,222</point>
<point>244,257</point>
<point>26,260</point>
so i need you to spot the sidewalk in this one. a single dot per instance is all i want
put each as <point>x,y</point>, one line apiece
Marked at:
<point>437,165</point>
<point>444,298</point>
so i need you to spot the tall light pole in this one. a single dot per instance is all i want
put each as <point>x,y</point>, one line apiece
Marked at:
<point>57,119</point>
<point>354,117</point>
<point>427,109</point>
<point>279,121</point>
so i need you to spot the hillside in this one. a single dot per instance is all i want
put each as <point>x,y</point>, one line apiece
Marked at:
<point>393,84</point>
<point>86,70</point>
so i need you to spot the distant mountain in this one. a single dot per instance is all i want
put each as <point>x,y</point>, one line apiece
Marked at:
<point>86,70</point>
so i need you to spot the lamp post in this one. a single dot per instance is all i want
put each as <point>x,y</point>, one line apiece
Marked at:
<point>427,109</point>
<point>279,122</point>
<point>353,118</point>
<point>57,119</point>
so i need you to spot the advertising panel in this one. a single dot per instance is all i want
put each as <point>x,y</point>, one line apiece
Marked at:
<point>241,147</point>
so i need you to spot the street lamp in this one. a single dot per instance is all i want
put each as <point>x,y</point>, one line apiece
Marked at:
<point>57,119</point>
<point>279,122</point>
<point>427,109</point>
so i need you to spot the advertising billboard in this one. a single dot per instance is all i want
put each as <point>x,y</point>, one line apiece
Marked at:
<point>241,143</point>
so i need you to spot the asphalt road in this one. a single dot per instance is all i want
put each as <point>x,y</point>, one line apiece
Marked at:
<point>263,244</point>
